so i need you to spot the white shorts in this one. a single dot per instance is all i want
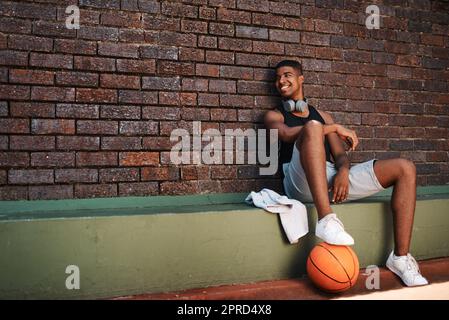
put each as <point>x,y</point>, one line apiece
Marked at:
<point>362,179</point>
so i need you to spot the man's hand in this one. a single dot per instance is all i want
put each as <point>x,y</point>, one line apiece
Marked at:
<point>348,135</point>
<point>340,188</point>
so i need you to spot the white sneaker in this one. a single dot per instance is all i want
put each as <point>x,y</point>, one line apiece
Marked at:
<point>406,268</point>
<point>332,231</point>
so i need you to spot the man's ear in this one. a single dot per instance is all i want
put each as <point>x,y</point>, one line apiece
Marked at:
<point>301,79</point>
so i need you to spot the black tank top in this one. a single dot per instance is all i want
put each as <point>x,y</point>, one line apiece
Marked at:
<point>294,121</point>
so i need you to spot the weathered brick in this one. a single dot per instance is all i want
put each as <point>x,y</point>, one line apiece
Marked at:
<point>119,174</point>
<point>51,60</point>
<point>77,143</point>
<point>208,70</point>
<point>184,187</point>
<point>131,128</point>
<point>57,126</point>
<point>160,113</point>
<point>121,19</point>
<point>224,86</point>
<point>137,97</point>
<point>121,143</point>
<point>143,66</point>
<point>251,32</point>
<point>120,112</point>
<point>343,42</point>
<point>14,159</point>
<point>77,79</point>
<point>52,159</point>
<point>241,101</point>
<point>221,57</point>
<point>96,95</point>
<point>196,114</point>
<point>96,159</point>
<point>14,92</point>
<point>207,13</point>
<point>50,192</point>
<point>98,33</point>
<point>225,14</point>
<point>195,172</point>
<point>94,63</point>
<point>223,115</point>
<point>256,60</point>
<point>159,52</point>
<point>132,35</point>
<point>193,26</point>
<point>32,143</point>
<point>151,22</point>
<point>267,19</point>
<point>268,47</point>
<point>161,83</point>
<point>28,10</point>
<point>76,175</point>
<point>159,173</point>
<point>178,39</point>
<point>75,46</point>
<point>236,72</point>
<point>78,111</point>
<point>30,76</point>
<point>119,81</point>
<point>118,50</point>
<point>138,158</point>
<point>30,176</point>
<point>208,99</point>
<point>254,87</point>
<point>176,68</point>
<point>14,126</point>
<point>207,42</point>
<point>4,142</point>
<point>157,143</point>
<point>196,84</point>
<point>95,190</point>
<point>169,98</point>
<point>138,189</point>
<point>253,5</point>
<point>32,43</point>
<point>179,10</point>
<point>284,36</point>
<point>96,127</point>
<point>398,72</point>
<point>191,54</point>
<point>12,25</point>
<point>46,28</point>
<point>188,99</point>
<point>14,58</point>
<point>53,94</point>
<point>233,44</point>
<point>285,8</point>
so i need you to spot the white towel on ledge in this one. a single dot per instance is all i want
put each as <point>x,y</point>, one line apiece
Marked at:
<point>292,212</point>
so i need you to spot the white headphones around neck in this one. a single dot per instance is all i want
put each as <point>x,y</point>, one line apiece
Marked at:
<point>292,105</point>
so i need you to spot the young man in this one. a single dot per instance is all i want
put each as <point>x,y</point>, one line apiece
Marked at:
<point>309,137</point>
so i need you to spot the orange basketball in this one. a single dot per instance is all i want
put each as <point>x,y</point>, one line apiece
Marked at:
<point>333,268</point>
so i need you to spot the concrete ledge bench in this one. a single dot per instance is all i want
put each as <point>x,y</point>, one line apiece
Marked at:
<point>126,246</point>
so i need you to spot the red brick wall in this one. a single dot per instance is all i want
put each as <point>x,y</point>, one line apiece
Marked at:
<point>88,112</point>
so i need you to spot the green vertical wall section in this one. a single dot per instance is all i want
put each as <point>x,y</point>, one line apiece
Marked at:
<point>133,247</point>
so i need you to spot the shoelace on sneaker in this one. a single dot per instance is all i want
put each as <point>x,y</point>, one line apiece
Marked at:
<point>333,218</point>
<point>411,264</point>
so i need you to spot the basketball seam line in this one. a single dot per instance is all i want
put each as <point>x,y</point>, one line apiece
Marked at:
<point>311,260</point>
<point>344,269</point>
<point>353,261</point>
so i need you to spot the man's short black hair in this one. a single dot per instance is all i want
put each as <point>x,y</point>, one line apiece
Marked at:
<point>290,63</point>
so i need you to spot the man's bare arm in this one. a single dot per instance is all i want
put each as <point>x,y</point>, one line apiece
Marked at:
<point>341,158</point>
<point>275,120</point>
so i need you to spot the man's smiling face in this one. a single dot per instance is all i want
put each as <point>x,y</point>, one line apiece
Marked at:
<point>288,81</point>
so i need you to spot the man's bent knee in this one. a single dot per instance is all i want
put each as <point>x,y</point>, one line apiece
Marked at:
<point>311,130</point>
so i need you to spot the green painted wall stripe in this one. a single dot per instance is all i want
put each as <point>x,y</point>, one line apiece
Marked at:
<point>151,204</point>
